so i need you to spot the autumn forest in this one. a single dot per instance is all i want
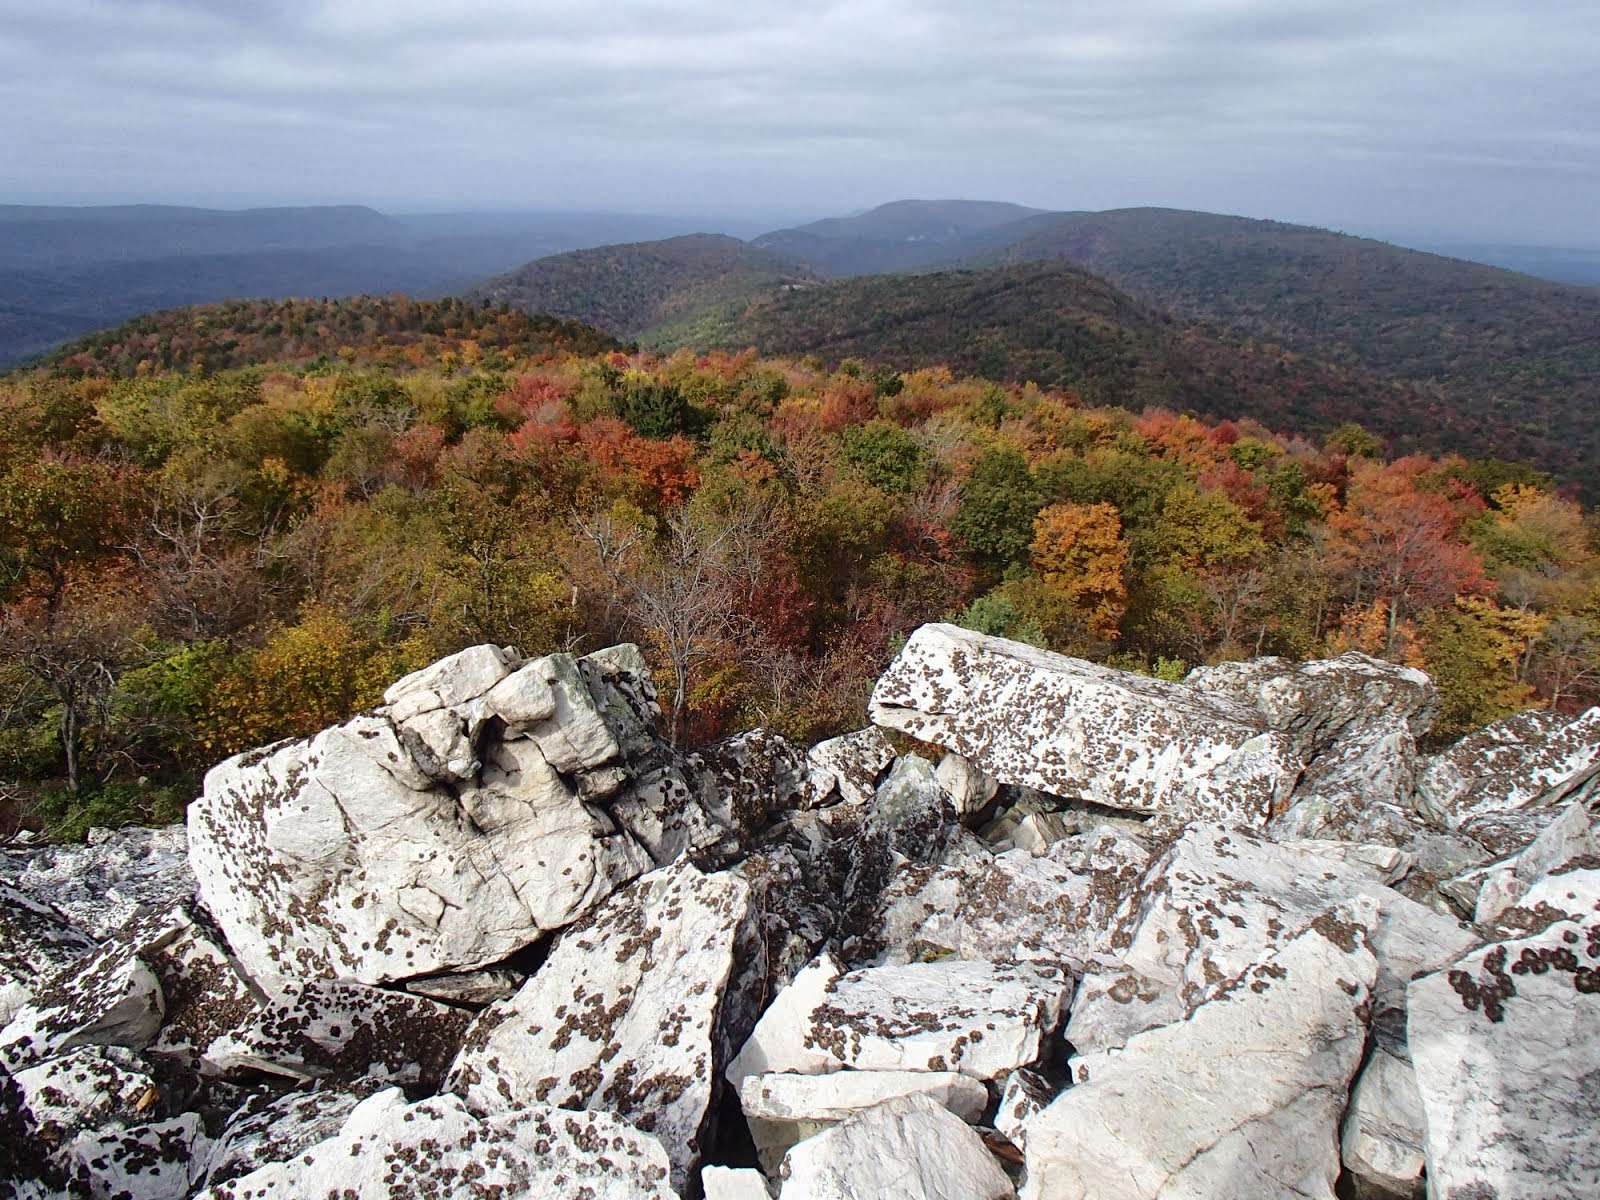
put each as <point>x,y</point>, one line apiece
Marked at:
<point>223,526</point>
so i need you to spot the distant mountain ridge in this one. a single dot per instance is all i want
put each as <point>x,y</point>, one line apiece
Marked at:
<point>628,289</point>
<point>906,235</point>
<point>69,271</point>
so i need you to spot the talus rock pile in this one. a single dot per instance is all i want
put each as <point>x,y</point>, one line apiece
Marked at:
<point>1114,937</point>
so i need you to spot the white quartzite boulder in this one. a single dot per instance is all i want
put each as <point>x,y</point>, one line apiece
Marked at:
<point>980,1019</point>
<point>1507,1058</point>
<point>1073,729</point>
<point>112,997</point>
<point>1049,907</point>
<point>326,1029</point>
<point>342,857</point>
<point>389,1150</point>
<point>785,1108</point>
<point>1242,1098</point>
<point>625,1014</point>
<point>908,1148</point>
<point>1505,765</point>
<point>1221,900</point>
<point>1320,702</point>
<point>1381,1141</point>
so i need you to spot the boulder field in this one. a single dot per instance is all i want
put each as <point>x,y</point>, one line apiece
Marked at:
<point>1041,929</point>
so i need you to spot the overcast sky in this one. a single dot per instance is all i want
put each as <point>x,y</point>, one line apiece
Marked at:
<point>1460,117</point>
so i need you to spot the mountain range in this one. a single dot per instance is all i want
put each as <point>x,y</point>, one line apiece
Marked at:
<point>1302,328</point>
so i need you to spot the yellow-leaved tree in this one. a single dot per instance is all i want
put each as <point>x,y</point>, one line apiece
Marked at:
<point>1079,553</point>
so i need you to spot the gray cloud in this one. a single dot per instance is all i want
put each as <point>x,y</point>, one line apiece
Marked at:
<point>1458,115</point>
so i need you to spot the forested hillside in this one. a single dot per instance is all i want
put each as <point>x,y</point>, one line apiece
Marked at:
<point>199,559</point>
<point>1047,323</point>
<point>1498,362</point>
<point>628,289</point>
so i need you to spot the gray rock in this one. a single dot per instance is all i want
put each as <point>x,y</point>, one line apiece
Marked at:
<point>342,857</point>
<point>328,1029</point>
<point>1351,697</point>
<point>733,1183</point>
<point>1067,727</point>
<point>1015,906</point>
<point>1024,1094</point>
<point>980,1019</point>
<point>102,885</point>
<point>785,1108</point>
<point>1381,1139</point>
<point>1506,1055</point>
<point>1566,839</point>
<point>158,1161</point>
<point>36,941</point>
<point>276,1129</point>
<point>848,768</point>
<point>471,988</point>
<point>1241,1098</point>
<point>84,1090</point>
<point>625,1015</point>
<point>1343,784</point>
<point>908,1148</point>
<point>1508,764</point>
<point>111,998</point>
<point>391,1150</point>
<point>968,787</point>
<point>1221,900</point>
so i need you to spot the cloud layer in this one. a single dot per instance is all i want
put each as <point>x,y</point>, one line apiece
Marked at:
<point>1460,116</point>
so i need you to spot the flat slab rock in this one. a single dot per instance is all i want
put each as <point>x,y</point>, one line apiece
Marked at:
<point>624,1016</point>
<point>375,851</point>
<point>391,1150</point>
<point>158,1161</point>
<point>908,1148</point>
<point>786,1108</point>
<point>1028,717</point>
<point>85,1089</point>
<point>1015,906</point>
<point>329,1029</point>
<point>1507,1057</point>
<point>980,1019</point>
<point>112,997</point>
<point>1221,899</point>
<point>1242,1098</point>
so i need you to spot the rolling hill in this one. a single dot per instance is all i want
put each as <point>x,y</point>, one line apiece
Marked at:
<point>907,235</point>
<point>1047,322</point>
<point>1499,363</point>
<point>628,289</point>
<point>393,331</point>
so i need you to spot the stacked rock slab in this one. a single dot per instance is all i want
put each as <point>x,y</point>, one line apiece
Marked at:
<point>1091,952</point>
<point>443,832</point>
<point>624,1016</point>
<point>1084,732</point>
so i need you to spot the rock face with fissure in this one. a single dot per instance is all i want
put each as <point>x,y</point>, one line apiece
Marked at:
<point>1237,1099</point>
<point>624,1017</point>
<point>1092,935</point>
<point>1079,731</point>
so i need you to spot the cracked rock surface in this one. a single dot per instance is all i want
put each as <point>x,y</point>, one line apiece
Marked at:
<point>1089,935</point>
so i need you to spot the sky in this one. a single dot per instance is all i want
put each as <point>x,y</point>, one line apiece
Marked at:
<point>1451,118</point>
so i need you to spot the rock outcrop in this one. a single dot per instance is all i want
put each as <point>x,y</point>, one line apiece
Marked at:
<point>1098,935</point>
<point>1083,732</point>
